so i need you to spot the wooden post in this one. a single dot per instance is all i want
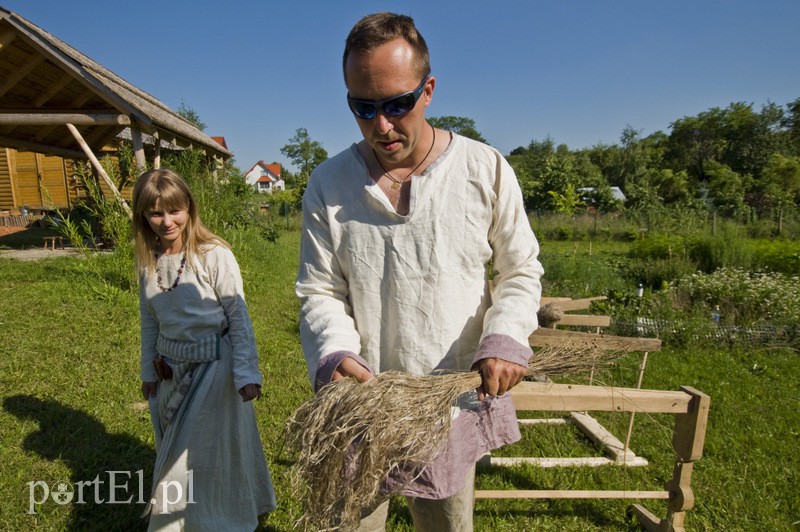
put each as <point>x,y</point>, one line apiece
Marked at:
<point>138,150</point>
<point>639,378</point>
<point>688,439</point>
<point>97,166</point>
<point>157,151</point>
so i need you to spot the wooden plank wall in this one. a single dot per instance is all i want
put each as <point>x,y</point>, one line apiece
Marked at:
<point>6,188</point>
<point>41,181</point>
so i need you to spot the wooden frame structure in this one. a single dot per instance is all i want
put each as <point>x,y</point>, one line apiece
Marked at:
<point>55,100</point>
<point>690,408</point>
<point>618,452</point>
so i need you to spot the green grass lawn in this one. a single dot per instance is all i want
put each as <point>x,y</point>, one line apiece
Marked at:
<point>71,411</point>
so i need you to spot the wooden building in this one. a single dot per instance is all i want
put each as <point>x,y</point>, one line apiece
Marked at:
<point>59,107</point>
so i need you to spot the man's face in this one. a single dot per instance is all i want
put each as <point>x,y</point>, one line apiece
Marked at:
<point>386,72</point>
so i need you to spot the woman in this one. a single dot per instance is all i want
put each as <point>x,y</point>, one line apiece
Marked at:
<point>199,367</point>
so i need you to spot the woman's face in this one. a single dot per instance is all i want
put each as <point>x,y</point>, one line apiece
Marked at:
<point>168,225</point>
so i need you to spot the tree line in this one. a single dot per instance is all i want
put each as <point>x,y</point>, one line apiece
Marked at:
<point>737,161</point>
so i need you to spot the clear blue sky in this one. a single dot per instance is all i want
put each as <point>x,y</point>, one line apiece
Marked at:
<point>578,71</point>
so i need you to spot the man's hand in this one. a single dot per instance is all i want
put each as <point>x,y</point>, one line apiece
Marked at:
<point>250,392</point>
<point>350,368</point>
<point>499,376</point>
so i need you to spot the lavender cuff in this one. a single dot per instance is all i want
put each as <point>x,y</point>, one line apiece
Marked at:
<point>503,347</point>
<point>489,426</point>
<point>329,364</point>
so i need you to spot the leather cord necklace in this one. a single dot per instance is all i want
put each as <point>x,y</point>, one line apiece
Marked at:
<point>396,183</point>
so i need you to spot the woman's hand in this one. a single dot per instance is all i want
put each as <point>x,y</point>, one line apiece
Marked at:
<point>149,389</point>
<point>250,392</point>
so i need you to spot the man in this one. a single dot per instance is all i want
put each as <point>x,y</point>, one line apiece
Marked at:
<point>398,234</point>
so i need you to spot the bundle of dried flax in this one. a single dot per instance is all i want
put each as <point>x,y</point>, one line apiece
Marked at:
<point>351,435</point>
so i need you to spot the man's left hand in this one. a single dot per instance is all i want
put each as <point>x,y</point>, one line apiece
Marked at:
<point>499,376</point>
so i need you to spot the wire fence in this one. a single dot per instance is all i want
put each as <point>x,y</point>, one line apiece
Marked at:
<point>756,334</point>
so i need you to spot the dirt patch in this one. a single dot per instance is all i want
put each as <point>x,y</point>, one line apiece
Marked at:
<point>38,253</point>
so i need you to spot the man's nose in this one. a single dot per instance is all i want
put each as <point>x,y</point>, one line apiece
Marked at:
<point>383,124</point>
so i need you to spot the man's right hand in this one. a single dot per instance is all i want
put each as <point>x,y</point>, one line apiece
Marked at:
<point>350,368</point>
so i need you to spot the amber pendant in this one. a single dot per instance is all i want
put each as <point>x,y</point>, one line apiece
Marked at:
<point>395,185</point>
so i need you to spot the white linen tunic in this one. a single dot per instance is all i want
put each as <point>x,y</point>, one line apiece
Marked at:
<point>207,440</point>
<point>411,293</point>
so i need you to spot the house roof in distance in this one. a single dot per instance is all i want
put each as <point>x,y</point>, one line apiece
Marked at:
<point>273,168</point>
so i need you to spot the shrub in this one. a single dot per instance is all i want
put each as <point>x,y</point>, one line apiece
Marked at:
<point>655,273</point>
<point>776,256</point>
<point>710,253</point>
<point>745,297</point>
<point>657,246</point>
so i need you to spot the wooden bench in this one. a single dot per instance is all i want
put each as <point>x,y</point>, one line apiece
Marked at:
<point>51,241</point>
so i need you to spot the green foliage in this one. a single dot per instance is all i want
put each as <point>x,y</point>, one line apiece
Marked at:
<point>655,273</point>
<point>280,198</point>
<point>778,256</point>
<point>226,201</point>
<point>746,297</point>
<point>306,154</point>
<point>712,252</point>
<point>566,202</point>
<point>188,113</point>
<point>96,218</point>
<point>736,162</point>
<point>457,124</point>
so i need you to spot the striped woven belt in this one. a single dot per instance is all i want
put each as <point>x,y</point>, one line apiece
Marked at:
<point>204,350</point>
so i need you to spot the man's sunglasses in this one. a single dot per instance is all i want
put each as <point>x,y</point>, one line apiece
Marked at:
<point>394,107</point>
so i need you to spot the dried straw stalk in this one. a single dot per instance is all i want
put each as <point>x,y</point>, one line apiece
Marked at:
<point>350,436</point>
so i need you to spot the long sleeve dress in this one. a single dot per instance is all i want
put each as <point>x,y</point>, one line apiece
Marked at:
<point>210,471</point>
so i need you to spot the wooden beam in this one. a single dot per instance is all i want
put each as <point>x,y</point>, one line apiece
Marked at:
<point>99,168</point>
<point>601,436</point>
<point>52,90</point>
<point>557,337</point>
<point>43,148</point>
<point>587,320</point>
<point>6,38</point>
<point>83,75</point>
<point>570,494</point>
<point>546,461</point>
<point>573,398</point>
<point>77,103</point>
<point>50,118</point>
<point>567,304</point>
<point>20,73</point>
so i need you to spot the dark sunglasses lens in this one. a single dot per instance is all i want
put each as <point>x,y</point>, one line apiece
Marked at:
<point>400,106</point>
<point>362,109</point>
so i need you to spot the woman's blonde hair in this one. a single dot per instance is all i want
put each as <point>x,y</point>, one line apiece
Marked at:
<point>170,191</point>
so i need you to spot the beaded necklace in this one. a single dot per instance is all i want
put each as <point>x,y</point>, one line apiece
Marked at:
<point>177,277</point>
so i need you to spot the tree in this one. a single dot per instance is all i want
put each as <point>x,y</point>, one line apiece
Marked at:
<point>457,124</point>
<point>305,154</point>
<point>726,189</point>
<point>566,202</point>
<point>186,112</point>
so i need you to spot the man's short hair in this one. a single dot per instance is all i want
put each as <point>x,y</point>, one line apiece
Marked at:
<point>380,28</point>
